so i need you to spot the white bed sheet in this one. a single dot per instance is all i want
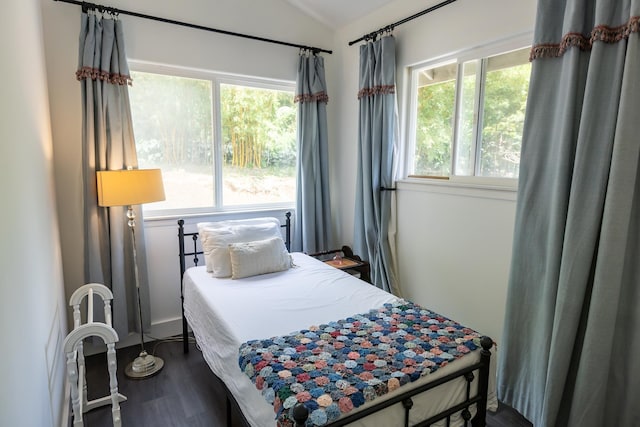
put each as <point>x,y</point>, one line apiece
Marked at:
<point>224,313</point>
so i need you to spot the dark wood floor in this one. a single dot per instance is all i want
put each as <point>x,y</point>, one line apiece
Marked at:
<point>185,392</point>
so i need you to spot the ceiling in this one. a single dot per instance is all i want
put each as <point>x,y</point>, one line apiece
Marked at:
<point>338,13</point>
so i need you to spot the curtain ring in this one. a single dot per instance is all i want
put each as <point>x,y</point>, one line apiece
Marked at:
<point>88,7</point>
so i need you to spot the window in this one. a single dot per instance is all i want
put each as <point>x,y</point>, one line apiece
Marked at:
<point>221,142</point>
<point>468,116</point>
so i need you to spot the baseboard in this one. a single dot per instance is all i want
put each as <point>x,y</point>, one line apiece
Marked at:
<point>159,330</point>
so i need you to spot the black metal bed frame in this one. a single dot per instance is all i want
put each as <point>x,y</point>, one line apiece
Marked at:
<point>300,413</point>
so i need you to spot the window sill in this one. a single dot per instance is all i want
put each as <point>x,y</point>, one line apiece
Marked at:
<point>485,188</point>
<point>160,218</point>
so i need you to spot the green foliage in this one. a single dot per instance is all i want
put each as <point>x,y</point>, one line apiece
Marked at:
<point>172,119</point>
<point>505,97</point>
<point>174,125</point>
<point>258,127</point>
<point>434,129</point>
<point>504,109</point>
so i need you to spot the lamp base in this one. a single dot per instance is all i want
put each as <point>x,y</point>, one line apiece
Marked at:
<point>144,366</point>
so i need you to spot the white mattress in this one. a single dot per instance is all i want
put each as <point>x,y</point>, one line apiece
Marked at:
<point>224,313</point>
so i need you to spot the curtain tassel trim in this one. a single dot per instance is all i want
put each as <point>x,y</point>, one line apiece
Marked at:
<point>601,33</point>
<point>95,74</point>
<point>312,97</point>
<point>376,90</point>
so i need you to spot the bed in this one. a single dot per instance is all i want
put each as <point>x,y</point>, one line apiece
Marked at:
<point>301,346</point>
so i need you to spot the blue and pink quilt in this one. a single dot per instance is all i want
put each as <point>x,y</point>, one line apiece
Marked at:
<point>336,367</point>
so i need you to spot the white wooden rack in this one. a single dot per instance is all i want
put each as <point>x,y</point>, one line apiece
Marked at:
<point>73,347</point>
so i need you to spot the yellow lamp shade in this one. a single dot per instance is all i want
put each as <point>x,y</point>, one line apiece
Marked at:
<point>129,187</point>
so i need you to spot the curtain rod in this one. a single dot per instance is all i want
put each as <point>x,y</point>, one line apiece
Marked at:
<point>390,27</point>
<point>101,8</point>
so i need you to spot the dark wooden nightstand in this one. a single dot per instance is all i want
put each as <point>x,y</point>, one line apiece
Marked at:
<point>344,259</point>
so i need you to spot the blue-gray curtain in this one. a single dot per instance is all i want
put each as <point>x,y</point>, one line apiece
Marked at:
<point>569,355</point>
<point>312,231</point>
<point>377,133</point>
<point>108,144</point>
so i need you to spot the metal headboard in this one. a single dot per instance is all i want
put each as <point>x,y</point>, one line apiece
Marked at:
<point>193,251</point>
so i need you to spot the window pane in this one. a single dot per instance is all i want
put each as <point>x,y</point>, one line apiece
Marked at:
<point>434,120</point>
<point>505,98</point>
<point>172,124</point>
<point>465,150</point>
<point>258,145</point>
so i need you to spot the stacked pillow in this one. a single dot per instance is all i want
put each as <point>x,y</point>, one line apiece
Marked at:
<point>242,248</point>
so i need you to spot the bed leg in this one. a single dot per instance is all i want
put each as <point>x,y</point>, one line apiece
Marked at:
<point>407,404</point>
<point>183,267</point>
<point>480,420</point>
<point>300,414</point>
<point>185,331</point>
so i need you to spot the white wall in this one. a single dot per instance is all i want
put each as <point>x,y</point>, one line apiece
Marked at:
<point>150,41</point>
<point>454,249</point>
<point>32,304</point>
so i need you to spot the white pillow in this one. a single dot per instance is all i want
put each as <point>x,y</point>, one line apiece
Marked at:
<point>217,238</point>
<point>258,257</point>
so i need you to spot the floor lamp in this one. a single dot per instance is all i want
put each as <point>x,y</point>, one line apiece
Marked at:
<point>127,188</point>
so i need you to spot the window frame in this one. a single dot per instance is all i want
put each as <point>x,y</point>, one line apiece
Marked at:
<point>480,54</point>
<point>216,78</point>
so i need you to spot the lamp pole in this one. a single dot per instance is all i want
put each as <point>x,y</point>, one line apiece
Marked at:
<point>145,365</point>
